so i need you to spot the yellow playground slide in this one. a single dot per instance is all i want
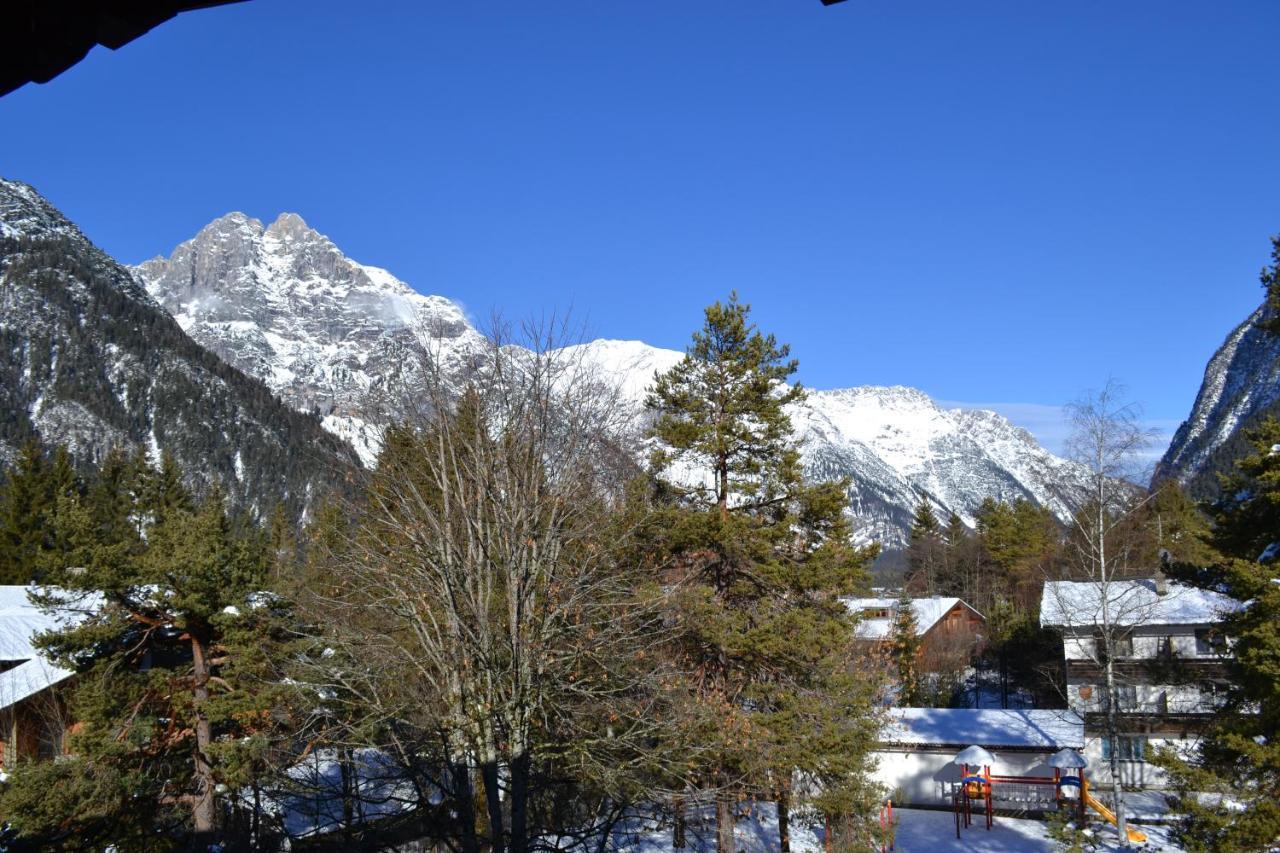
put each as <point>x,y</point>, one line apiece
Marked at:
<point>1110,817</point>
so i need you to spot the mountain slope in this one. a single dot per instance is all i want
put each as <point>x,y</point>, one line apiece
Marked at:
<point>1241,387</point>
<point>333,336</point>
<point>89,360</point>
<point>897,446</point>
<point>329,335</point>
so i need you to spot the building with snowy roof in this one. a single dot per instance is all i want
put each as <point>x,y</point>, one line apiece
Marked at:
<point>917,746</point>
<point>33,719</point>
<point>950,631</point>
<point>1169,658</point>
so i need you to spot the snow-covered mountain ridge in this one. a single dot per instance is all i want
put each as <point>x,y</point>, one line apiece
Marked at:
<point>896,444</point>
<point>331,335</point>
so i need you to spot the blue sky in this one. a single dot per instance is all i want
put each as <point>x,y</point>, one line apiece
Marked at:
<point>1002,203</point>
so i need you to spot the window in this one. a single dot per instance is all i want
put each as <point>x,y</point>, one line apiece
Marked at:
<point>1121,647</point>
<point>1127,697</point>
<point>1212,695</point>
<point>1209,643</point>
<point>1125,748</point>
<point>1165,647</point>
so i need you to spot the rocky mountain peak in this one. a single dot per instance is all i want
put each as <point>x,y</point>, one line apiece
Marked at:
<point>328,334</point>
<point>340,338</point>
<point>88,360</point>
<point>291,226</point>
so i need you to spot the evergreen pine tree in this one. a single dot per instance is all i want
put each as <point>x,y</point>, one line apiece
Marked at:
<point>904,649</point>
<point>925,551</point>
<point>757,561</point>
<point>28,502</point>
<point>1238,760</point>
<point>1271,284</point>
<point>957,558</point>
<point>162,586</point>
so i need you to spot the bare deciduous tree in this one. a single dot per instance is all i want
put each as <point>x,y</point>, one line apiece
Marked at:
<point>1107,439</point>
<point>479,594</point>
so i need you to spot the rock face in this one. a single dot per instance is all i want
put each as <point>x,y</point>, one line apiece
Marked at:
<point>331,336</point>
<point>89,360</point>
<point>335,337</point>
<point>1241,387</point>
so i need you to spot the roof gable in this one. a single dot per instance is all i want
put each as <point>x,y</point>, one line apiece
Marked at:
<point>928,612</point>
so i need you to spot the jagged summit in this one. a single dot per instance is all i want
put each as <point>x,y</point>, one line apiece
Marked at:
<point>330,335</point>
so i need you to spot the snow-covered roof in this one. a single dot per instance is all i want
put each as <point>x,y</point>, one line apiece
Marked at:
<point>1065,604</point>
<point>993,728</point>
<point>928,611</point>
<point>28,679</point>
<point>20,622</point>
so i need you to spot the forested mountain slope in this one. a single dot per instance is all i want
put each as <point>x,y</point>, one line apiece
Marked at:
<point>89,360</point>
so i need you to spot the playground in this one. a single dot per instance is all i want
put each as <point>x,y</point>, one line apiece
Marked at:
<point>979,791</point>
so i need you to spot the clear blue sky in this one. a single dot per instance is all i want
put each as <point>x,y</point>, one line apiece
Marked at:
<point>994,202</point>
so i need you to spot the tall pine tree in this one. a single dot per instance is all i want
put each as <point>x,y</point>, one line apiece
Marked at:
<point>904,647</point>
<point>756,560</point>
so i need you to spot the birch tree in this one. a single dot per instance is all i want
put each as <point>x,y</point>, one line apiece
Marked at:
<point>1107,439</point>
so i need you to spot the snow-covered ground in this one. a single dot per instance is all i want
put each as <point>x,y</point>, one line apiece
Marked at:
<point>917,831</point>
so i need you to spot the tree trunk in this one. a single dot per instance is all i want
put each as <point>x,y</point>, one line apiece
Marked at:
<point>784,819</point>
<point>1113,727</point>
<point>520,767</point>
<point>489,773</point>
<point>203,810</point>
<point>464,797</point>
<point>677,827</point>
<point>724,823</point>
<point>348,798</point>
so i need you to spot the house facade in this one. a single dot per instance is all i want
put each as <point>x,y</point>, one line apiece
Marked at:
<point>942,622</point>
<point>1169,659</point>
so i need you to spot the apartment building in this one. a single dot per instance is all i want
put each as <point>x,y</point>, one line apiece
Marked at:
<point>1169,659</point>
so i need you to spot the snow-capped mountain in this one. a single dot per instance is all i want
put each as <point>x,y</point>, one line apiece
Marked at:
<point>1241,387</point>
<point>329,335</point>
<point>896,444</point>
<point>89,360</point>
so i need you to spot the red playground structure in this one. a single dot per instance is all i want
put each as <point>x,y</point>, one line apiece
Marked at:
<point>977,787</point>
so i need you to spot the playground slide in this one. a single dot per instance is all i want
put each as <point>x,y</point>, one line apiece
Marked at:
<point>1110,817</point>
